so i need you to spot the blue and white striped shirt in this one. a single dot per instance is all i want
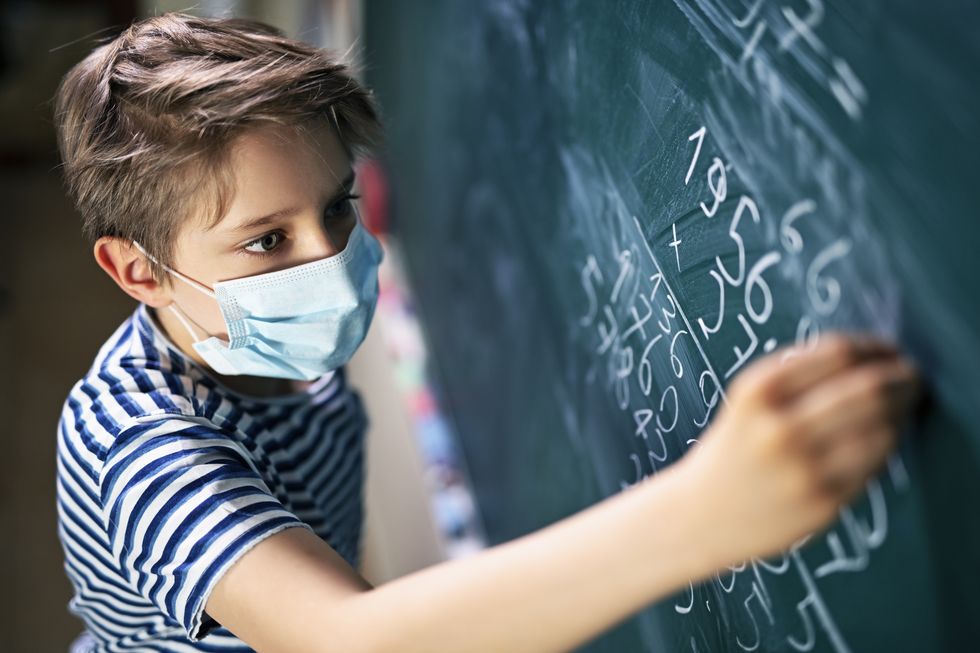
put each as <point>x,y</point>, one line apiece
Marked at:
<point>166,477</point>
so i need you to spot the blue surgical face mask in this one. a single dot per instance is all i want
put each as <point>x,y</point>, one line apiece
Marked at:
<point>298,323</point>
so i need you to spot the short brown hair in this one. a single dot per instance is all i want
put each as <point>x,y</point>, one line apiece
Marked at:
<point>145,122</point>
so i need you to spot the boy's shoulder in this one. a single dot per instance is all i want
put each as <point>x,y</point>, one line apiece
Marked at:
<point>136,376</point>
<point>140,376</point>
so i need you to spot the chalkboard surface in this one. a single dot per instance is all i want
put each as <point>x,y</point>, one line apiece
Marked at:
<point>609,208</point>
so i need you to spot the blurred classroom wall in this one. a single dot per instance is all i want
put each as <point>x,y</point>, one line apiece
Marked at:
<point>57,307</point>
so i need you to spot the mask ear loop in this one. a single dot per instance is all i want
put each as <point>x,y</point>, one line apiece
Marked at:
<point>173,306</point>
<point>184,322</point>
<point>196,285</point>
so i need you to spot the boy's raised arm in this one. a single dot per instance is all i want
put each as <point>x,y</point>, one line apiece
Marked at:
<point>794,442</point>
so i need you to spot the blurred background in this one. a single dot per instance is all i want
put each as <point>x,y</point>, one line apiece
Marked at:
<point>57,307</point>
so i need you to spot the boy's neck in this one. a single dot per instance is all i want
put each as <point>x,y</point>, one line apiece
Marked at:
<point>257,386</point>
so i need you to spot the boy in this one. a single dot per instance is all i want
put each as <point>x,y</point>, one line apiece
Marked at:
<point>209,463</point>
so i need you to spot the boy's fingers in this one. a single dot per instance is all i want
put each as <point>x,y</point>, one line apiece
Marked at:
<point>862,396</point>
<point>849,464</point>
<point>777,379</point>
<point>830,356</point>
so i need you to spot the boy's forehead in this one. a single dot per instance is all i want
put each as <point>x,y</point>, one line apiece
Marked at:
<point>275,167</point>
<point>319,134</point>
<point>312,147</point>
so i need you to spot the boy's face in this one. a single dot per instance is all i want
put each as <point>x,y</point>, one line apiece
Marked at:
<point>291,205</point>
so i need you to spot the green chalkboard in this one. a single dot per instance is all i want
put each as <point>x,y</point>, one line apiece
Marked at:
<point>608,208</point>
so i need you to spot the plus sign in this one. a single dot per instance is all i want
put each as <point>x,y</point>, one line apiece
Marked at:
<point>675,244</point>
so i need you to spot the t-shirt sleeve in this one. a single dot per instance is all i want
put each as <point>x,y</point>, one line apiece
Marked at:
<point>181,503</point>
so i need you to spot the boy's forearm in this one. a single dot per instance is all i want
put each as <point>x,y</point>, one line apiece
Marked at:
<point>548,591</point>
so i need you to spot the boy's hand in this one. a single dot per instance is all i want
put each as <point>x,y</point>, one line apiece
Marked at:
<point>797,440</point>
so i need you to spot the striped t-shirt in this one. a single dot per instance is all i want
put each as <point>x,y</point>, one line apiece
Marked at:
<point>166,477</point>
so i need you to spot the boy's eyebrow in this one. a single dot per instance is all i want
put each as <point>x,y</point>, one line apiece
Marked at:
<point>345,187</point>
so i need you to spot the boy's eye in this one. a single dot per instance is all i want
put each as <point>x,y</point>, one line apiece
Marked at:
<point>342,208</point>
<point>265,244</point>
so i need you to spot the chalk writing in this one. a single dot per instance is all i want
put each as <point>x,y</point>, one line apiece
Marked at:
<point>658,368</point>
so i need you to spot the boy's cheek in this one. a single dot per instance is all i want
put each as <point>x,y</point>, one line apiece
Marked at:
<point>203,310</point>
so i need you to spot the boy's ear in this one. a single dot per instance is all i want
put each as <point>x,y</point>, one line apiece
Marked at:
<point>131,271</point>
